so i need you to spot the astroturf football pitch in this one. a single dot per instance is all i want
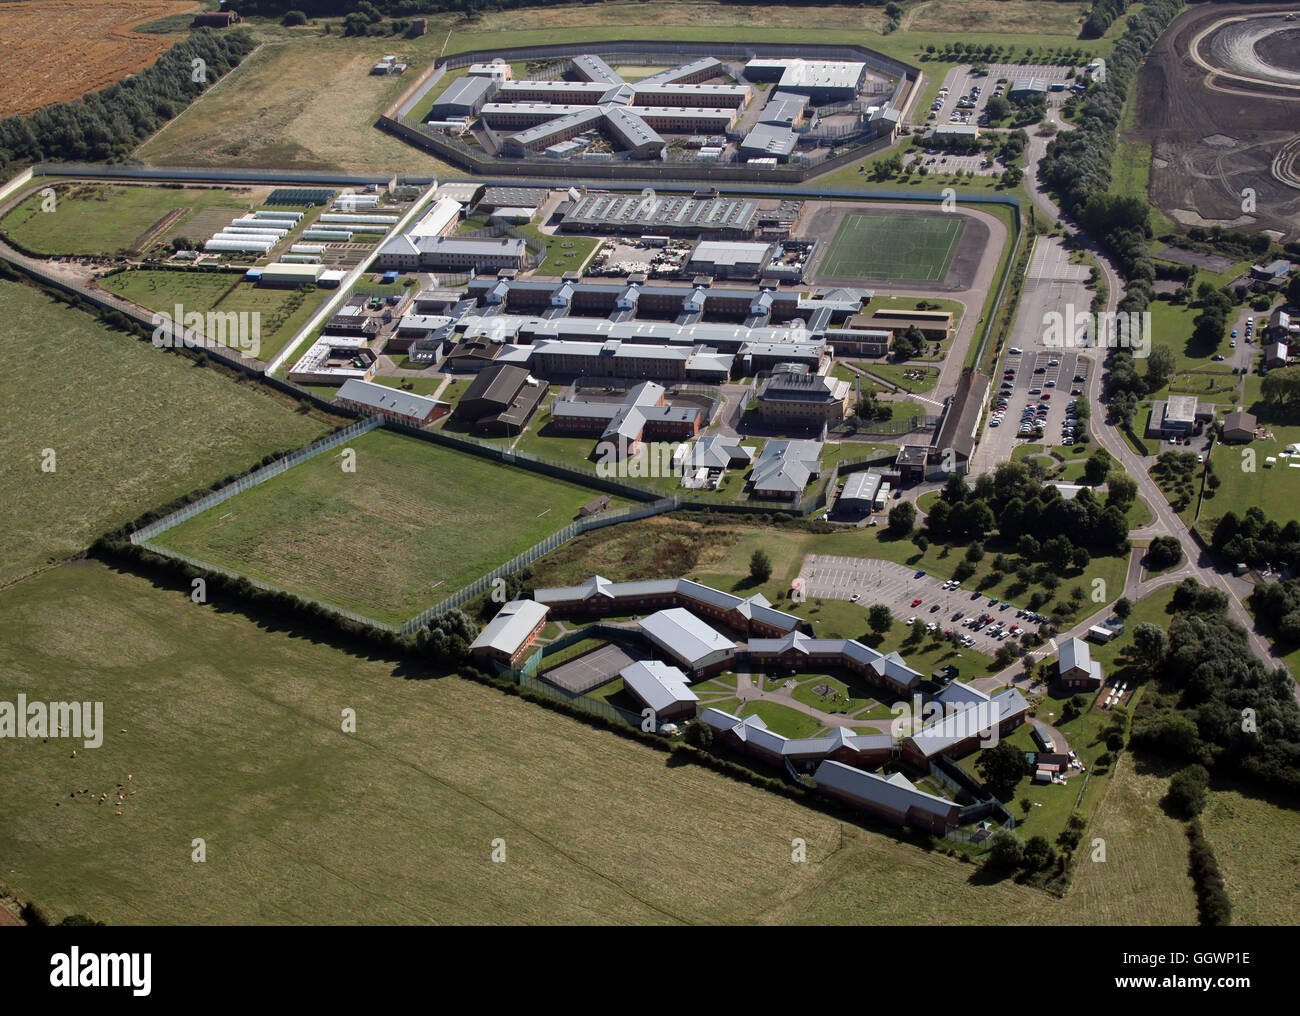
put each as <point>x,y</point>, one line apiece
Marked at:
<point>895,248</point>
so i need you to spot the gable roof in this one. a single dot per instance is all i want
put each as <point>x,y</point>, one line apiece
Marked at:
<point>1074,654</point>
<point>681,633</point>
<point>381,398</point>
<point>894,792</point>
<point>514,622</point>
<point>657,684</point>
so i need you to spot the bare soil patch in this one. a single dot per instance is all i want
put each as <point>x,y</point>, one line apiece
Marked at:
<point>56,50</point>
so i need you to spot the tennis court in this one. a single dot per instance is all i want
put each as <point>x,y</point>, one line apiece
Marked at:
<point>893,248</point>
<point>590,670</point>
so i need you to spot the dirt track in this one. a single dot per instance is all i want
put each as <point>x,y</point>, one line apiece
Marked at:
<point>1211,141</point>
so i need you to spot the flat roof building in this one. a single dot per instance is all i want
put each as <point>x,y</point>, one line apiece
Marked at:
<point>729,259</point>
<point>822,81</point>
<point>767,140</point>
<point>664,214</point>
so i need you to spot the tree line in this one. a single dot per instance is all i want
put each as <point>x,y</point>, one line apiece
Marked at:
<point>1101,17</point>
<point>1213,702</point>
<point>105,126</point>
<point>1077,163</point>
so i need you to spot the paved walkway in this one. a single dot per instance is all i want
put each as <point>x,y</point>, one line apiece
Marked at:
<point>748,691</point>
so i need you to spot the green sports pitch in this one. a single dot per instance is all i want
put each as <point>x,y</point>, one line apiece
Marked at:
<point>893,248</point>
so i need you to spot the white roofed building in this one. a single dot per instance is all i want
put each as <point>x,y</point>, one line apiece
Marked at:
<point>506,638</point>
<point>696,648</point>
<point>660,688</point>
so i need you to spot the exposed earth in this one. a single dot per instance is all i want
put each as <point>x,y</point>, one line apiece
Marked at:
<point>1211,97</point>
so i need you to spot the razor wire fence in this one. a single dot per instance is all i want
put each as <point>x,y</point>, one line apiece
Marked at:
<point>594,706</point>
<point>253,479</point>
<point>483,583</point>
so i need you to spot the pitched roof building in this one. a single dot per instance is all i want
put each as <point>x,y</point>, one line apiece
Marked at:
<point>696,647</point>
<point>660,688</point>
<point>506,638</point>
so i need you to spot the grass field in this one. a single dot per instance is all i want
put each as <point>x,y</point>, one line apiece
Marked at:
<point>282,311</point>
<point>1143,879</point>
<point>310,103</point>
<point>1257,843</point>
<point>131,426</point>
<point>897,248</point>
<point>1245,481</point>
<point>233,735</point>
<point>94,218</point>
<point>391,538</point>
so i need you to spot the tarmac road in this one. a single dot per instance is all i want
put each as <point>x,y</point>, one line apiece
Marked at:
<point>1196,562</point>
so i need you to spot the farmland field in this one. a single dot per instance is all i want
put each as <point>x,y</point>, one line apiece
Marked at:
<point>232,734</point>
<point>131,427</point>
<point>1143,879</point>
<point>1257,844</point>
<point>56,50</point>
<point>283,310</point>
<point>390,539</point>
<point>898,248</point>
<point>93,218</point>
